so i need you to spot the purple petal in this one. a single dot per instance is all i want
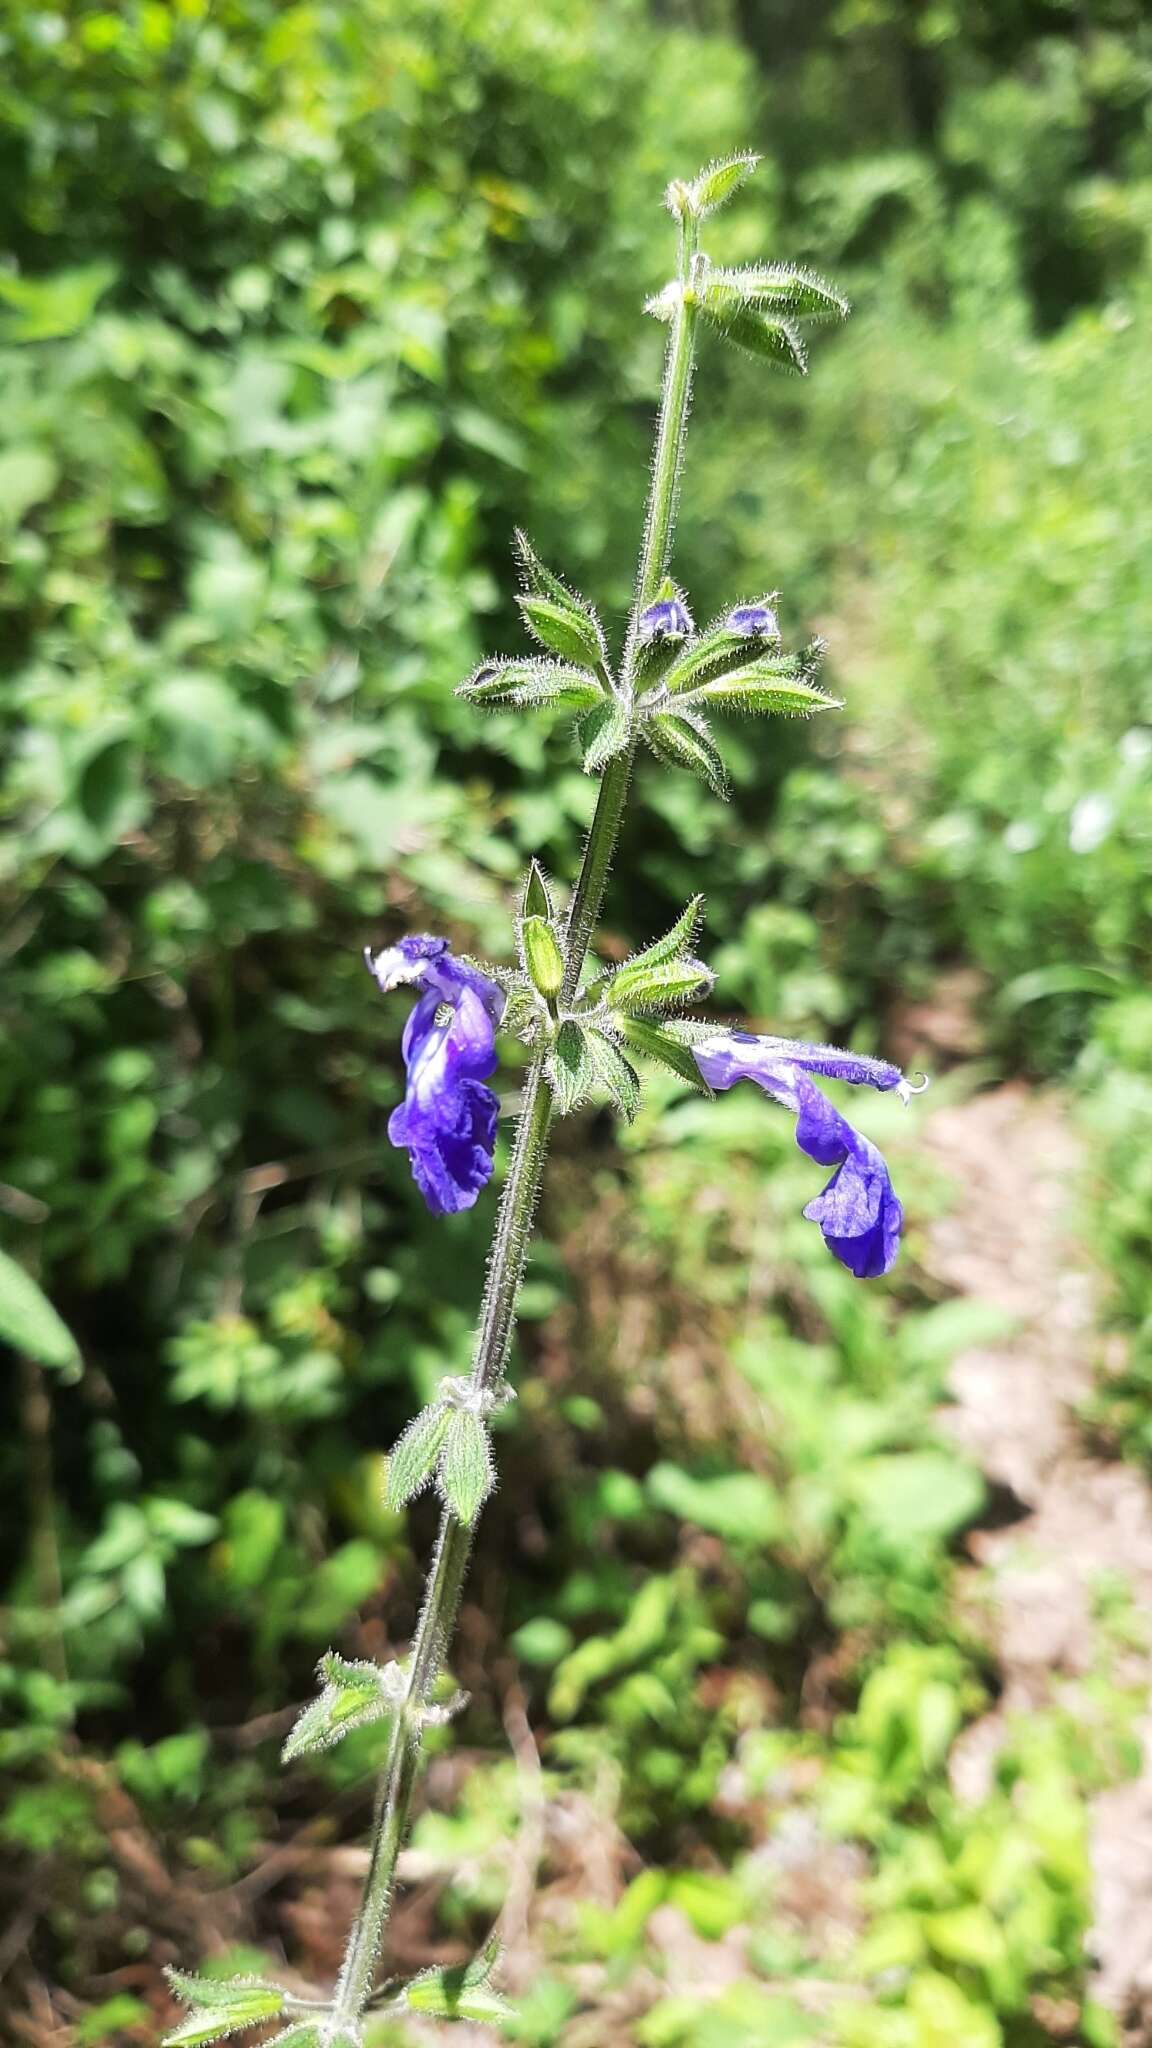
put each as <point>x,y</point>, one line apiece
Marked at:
<point>858,1211</point>
<point>740,1056</point>
<point>447,1120</point>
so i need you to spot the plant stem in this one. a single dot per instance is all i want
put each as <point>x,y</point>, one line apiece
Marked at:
<point>517,1210</point>
<point>669,456</point>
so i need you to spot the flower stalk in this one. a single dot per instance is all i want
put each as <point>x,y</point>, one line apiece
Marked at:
<point>518,1200</point>
<point>584,1037</point>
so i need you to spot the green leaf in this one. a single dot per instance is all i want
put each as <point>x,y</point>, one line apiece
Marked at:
<point>482,2006</point>
<point>918,1496</point>
<point>28,475</point>
<point>655,1044</point>
<point>662,972</point>
<point>604,733</point>
<point>530,683</point>
<point>710,655</point>
<point>51,308</point>
<point>967,1934</point>
<point>536,901</point>
<point>675,941</point>
<point>612,1072</point>
<point>740,1506</point>
<point>467,1475</point>
<point>30,1324</point>
<point>537,580</point>
<point>784,286</point>
<point>715,186</point>
<point>762,686</point>
<point>653,985</point>
<point>354,1695</point>
<point>463,1993</point>
<point>568,629</point>
<point>683,740</point>
<point>568,1067</point>
<point>770,336</point>
<point>413,1458</point>
<point>222,2006</point>
<point>1064,980</point>
<point>541,954</point>
<point>222,1993</point>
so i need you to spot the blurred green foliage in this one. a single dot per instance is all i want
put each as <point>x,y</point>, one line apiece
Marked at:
<point>303,308</point>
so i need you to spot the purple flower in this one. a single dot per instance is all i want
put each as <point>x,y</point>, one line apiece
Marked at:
<point>858,1211</point>
<point>667,619</point>
<point>447,1120</point>
<point>756,621</point>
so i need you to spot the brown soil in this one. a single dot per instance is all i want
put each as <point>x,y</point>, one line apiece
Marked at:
<point>1081,1546</point>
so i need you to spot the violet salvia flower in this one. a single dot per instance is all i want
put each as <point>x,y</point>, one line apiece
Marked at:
<point>757,621</point>
<point>668,619</point>
<point>447,1120</point>
<point>858,1211</point>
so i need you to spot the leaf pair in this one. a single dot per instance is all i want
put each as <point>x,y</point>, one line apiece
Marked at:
<point>663,974</point>
<point>718,672</point>
<point>572,674</point>
<point>353,1695</point>
<point>759,308</point>
<point>222,2006</point>
<point>452,1445</point>
<point>591,1053</point>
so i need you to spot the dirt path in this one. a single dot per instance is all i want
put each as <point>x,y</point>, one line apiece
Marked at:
<point>1084,1536</point>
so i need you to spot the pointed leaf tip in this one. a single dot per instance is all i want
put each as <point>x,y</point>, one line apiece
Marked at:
<point>536,900</point>
<point>716,184</point>
<point>538,581</point>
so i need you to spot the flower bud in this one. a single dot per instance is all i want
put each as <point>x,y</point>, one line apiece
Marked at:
<point>541,954</point>
<point>757,621</point>
<point>667,619</point>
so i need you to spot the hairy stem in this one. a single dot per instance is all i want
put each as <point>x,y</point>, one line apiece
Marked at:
<point>516,1212</point>
<point>668,459</point>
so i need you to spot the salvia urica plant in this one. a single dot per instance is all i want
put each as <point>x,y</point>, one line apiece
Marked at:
<point>589,1031</point>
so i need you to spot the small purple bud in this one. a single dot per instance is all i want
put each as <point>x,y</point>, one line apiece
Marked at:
<point>667,619</point>
<point>756,621</point>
